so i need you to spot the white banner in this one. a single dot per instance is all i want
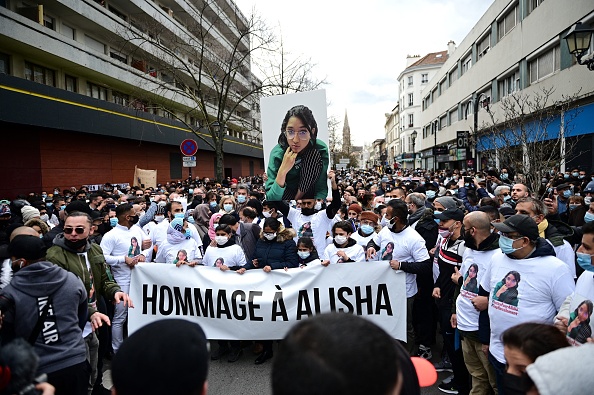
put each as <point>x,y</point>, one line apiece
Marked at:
<point>263,306</point>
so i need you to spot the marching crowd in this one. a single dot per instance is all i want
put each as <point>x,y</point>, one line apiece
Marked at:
<point>504,272</point>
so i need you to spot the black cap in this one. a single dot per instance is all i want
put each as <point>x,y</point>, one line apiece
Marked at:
<point>560,187</point>
<point>27,247</point>
<point>519,223</point>
<point>455,214</point>
<point>507,211</point>
<point>78,205</point>
<point>173,353</point>
<point>588,190</point>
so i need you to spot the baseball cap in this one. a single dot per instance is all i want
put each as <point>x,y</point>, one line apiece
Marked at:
<point>455,214</point>
<point>588,190</point>
<point>519,223</point>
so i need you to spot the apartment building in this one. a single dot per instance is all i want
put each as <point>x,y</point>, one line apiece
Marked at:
<point>92,88</point>
<point>517,46</point>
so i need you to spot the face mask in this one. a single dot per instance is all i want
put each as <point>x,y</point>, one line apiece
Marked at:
<point>308,211</point>
<point>589,217</point>
<point>48,205</point>
<point>454,191</point>
<point>507,198</point>
<point>227,207</point>
<point>430,194</point>
<point>266,214</point>
<point>270,236</point>
<point>221,240</point>
<point>44,217</point>
<point>575,174</point>
<point>190,191</point>
<point>318,206</point>
<point>63,207</point>
<point>466,185</point>
<point>566,176</point>
<point>585,261</point>
<point>582,177</point>
<point>386,200</point>
<point>178,215</point>
<point>293,203</point>
<point>188,233</point>
<point>44,196</point>
<point>514,385</point>
<point>340,240</point>
<point>506,245</point>
<point>240,199</point>
<point>567,193</point>
<point>191,220</point>
<point>504,176</point>
<point>466,236</point>
<point>573,206</point>
<point>384,221</point>
<point>159,218</point>
<point>367,229</point>
<point>303,254</point>
<point>444,233</point>
<point>134,219</point>
<point>588,199</point>
<point>113,221</point>
<point>75,245</point>
<point>213,204</point>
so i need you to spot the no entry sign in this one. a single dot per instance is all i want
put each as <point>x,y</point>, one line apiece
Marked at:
<point>188,147</point>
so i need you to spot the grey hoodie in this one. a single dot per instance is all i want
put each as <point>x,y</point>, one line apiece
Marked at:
<point>60,343</point>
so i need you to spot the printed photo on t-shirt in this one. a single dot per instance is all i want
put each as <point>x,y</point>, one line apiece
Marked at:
<point>134,248</point>
<point>470,283</point>
<point>182,255</point>
<point>386,253</point>
<point>305,230</point>
<point>506,290</point>
<point>579,325</point>
<point>219,262</point>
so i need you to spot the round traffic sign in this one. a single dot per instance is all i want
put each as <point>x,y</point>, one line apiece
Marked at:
<point>189,147</point>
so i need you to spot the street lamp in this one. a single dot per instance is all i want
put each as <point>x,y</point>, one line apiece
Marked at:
<point>476,102</point>
<point>578,40</point>
<point>413,136</point>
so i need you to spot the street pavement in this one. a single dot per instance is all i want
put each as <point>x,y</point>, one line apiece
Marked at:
<point>245,378</point>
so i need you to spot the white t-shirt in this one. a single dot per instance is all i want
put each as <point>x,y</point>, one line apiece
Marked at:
<point>159,233</point>
<point>168,252</point>
<point>117,244</point>
<point>565,253</point>
<point>314,226</point>
<point>543,285</point>
<point>467,316</point>
<point>406,246</point>
<point>579,329</point>
<point>363,240</point>
<point>354,252</point>
<point>231,256</point>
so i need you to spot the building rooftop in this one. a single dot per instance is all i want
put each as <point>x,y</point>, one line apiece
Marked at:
<point>430,59</point>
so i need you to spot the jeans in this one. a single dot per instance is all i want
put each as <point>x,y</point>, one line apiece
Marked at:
<point>119,319</point>
<point>92,345</point>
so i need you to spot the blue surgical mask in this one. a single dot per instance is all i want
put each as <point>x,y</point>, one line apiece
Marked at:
<point>191,220</point>
<point>507,198</point>
<point>367,229</point>
<point>240,198</point>
<point>567,193</point>
<point>178,215</point>
<point>113,221</point>
<point>504,176</point>
<point>227,207</point>
<point>44,196</point>
<point>63,207</point>
<point>48,204</point>
<point>437,220</point>
<point>585,261</point>
<point>188,233</point>
<point>430,194</point>
<point>506,245</point>
<point>589,217</point>
<point>566,176</point>
<point>213,204</point>
<point>575,174</point>
<point>303,254</point>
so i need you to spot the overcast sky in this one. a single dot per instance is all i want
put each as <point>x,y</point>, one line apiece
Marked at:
<point>361,47</point>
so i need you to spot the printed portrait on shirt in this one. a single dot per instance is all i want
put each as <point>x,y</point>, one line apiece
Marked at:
<point>506,290</point>
<point>387,252</point>
<point>305,230</point>
<point>219,262</point>
<point>470,283</point>
<point>134,247</point>
<point>579,327</point>
<point>297,165</point>
<point>182,255</point>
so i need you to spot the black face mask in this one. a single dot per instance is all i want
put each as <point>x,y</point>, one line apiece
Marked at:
<point>308,211</point>
<point>134,219</point>
<point>75,245</point>
<point>516,385</point>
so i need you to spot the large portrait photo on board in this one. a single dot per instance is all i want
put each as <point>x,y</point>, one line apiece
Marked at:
<point>297,165</point>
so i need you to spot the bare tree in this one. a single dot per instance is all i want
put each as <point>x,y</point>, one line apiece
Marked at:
<point>527,133</point>
<point>334,145</point>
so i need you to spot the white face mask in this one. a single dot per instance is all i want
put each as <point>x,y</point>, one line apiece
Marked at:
<point>340,240</point>
<point>266,214</point>
<point>270,236</point>
<point>159,218</point>
<point>221,240</point>
<point>44,218</point>
<point>384,221</point>
<point>318,206</point>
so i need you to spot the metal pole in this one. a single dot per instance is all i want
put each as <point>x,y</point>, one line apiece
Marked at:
<point>475,127</point>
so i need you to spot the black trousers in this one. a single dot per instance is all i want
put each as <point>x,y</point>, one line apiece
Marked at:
<point>73,380</point>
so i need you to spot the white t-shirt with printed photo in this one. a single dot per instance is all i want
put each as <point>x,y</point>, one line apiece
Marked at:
<point>231,256</point>
<point>523,290</point>
<point>168,252</point>
<point>406,246</point>
<point>354,252</point>
<point>580,320</point>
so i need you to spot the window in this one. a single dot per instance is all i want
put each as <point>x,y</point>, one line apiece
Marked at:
<point>67,31</point>
<point>443,121</point>
<point>4,63</point>
<point>410,99</point>
<point>508,22</point>
<point>424,78</point>
<point>411,120</point>
<point>443,86</point>
<point>94,44</point>
<point>120,98</point>
<point>70,83</point>
<point>96,91</point>
<point>49,22</point>
<point>167,78</point>
<point>118,13</point>
<point>483,46</point>
<point>468,108</point>
<point>453,116</point>
<point>466,63</point>
<point>532,4</point>
<point>434,95</point>
<point>545,65</point>
<point>410,81</point>
<point>509,84</point>
<point>453,75</point>
<point>40,74</point>
<point>118,56</point>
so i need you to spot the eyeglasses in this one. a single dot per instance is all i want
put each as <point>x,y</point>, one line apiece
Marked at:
<point>79,231</point>
<point>303,134</point>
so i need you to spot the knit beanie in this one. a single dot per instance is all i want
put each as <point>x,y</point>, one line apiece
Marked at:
<point>29,212</point>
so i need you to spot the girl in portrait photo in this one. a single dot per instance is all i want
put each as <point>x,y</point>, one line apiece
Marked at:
<point>579,322</point>
<point>134,248</point>
<point>470,282</point>
<point>506,290</point>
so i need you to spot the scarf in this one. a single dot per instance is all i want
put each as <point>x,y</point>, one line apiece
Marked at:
<point>542,227</point>
<point>211,227</point>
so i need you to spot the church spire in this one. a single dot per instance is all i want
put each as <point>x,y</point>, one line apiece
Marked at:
<point>346,135</point>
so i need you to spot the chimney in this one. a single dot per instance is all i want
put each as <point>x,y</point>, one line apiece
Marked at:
<point>451,47</point>
<point>410,59</point>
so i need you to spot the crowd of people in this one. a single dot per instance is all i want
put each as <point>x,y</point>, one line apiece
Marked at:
<point>504,272</point>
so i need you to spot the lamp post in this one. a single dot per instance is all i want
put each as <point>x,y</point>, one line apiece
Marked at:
<point>476,102</point>
<point>413,136</point>
<point>578,40</point>
<point>434,126</point>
